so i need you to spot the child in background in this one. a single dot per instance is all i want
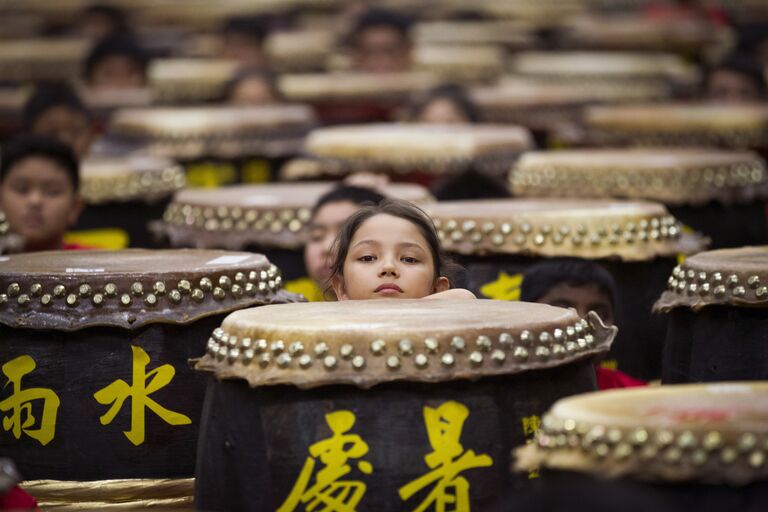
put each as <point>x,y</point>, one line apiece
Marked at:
<point>584,286</point>
<point>391,251</point>
<point>380,42</point>
<point>55,110</point>
<point>328,215</point>
<point>116,63</point>
<point>39,182</point>
<point>444,104</point>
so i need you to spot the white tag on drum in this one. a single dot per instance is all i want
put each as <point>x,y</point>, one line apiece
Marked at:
<point>230,259</point>
<point>83,270</point>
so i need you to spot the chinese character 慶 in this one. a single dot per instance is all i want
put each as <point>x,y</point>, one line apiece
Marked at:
<point>330,493</point>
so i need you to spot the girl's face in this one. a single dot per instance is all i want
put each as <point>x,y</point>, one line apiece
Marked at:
<point>388,258</point>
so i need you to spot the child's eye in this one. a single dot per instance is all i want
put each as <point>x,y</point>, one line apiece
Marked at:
<point>367,258</point>
<point>409,259</point>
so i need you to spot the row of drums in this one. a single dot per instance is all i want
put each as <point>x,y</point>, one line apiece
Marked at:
<point>126,373</point>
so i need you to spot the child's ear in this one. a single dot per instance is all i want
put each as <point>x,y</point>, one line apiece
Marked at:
<point>442,284</point>
<point>74,212</point>
<point>337,283</point>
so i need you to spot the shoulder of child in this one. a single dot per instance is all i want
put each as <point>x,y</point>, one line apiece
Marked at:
<point>454,293</point>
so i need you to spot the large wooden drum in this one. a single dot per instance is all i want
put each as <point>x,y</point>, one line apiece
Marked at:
<point>271,219</point>
<point>411,152</point>
<point>355,97</point>
<point>720,193</point>
<point>636,241</point>
<point>382,404</point>
<point>122,196</point>
<point>679,124</point>
<point>717,305</point>
<point>95,380</point>
<point>217,145</point>
<point>690,447</point>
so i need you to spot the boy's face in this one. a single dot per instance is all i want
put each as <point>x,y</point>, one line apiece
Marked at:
<point>252,91</point>
<point>583,299</point>
<point>67,125</point>
<point>322,232</point>
<point>39,202</point>
<point>726,86</point>
<point>117,72</point>
<point>381,50</point>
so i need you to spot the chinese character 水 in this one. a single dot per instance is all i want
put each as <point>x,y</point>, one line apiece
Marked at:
<point>143,384</point>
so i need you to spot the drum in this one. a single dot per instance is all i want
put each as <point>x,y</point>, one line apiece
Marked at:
<point>217,145</point>
<point>353,97</point>
<point>420,411</point>
<point>179,80</point>
<point>30,60</point>
<point>113,187</point>
<point>691,447</point>
<point>679,124</point>
<point>716,307</point>
<point>300,51</point>
<point>511,35</point>
<point>543,105</point>
<point>95,344</point>
<point>463,63</point>
<point>719,193</point>
<point>636,241</point>
<point>271,218</point>
<point>412,152</point>
<point>690,37</point>
<point>629,70</point>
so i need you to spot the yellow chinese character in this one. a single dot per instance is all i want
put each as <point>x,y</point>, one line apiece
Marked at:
<point>447,460</point>
<point>19,403</point>
<point>144,384</point>
<point>506,287</point>
<point>328,492</point>
<point>531,425</point>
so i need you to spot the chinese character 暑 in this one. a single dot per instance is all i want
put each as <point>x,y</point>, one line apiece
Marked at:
<point>143,385</point>
<point>447,461</point>
<point>20,402</point>
<point>329,493</point>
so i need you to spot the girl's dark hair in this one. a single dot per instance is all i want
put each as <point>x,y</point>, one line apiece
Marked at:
<point>454,93</point>
<point>403,210</point>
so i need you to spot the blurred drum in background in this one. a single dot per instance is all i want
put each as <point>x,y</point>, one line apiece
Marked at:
<point>719,193</point>
<point>718,322</point>
<point>636,241</point>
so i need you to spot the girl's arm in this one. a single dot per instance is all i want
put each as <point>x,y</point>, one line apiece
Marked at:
<point>454,293</point>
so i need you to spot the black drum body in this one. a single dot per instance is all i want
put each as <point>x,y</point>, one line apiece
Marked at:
<point>118,403</point>
<point>255,443</point>
<point>638,347</point>
<point>130,217</point>
<point>716,343</point>
<point>735,225</point>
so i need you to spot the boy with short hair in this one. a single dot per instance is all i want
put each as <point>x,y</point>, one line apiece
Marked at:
<point>39,183</point>
<point>584,286</point>
<point>55,110</point>
<point>116,63</point>
<point>380,42</point>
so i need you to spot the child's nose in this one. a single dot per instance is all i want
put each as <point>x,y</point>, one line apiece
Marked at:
<point>388,267</point>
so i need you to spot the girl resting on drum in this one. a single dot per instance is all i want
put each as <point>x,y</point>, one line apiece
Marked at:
<point>391,250</point>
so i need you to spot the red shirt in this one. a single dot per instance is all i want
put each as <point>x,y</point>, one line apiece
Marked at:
<point>17,499</point>
<point>613,379</point>
<point>74,247</point>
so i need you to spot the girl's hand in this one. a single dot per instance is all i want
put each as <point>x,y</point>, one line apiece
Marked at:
<point>455,293</point>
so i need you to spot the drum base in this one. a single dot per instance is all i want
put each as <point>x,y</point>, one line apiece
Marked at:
<point>717,343</point>
<point>254,443</point>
